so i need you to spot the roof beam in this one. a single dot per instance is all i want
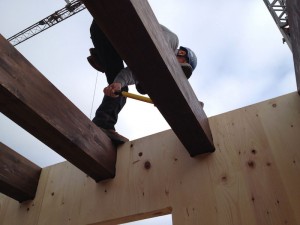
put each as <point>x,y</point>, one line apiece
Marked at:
<point>19,177</point>
<point>31,101</point>
<point>135,33</point>
<point>293,7</point>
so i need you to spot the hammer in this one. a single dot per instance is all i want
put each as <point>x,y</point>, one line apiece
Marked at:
<point>134,96</point>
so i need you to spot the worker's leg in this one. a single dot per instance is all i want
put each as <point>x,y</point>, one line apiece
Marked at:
<point>107,114</point>
<point>106,54</point>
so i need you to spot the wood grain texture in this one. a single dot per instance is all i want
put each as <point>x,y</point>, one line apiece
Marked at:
<point>29,211</point>
<point>31,101</point>
<point>19,177</point>
<point>250,134</point>
<point>251,179</point>
<point>293,10</point>
<point>135,33</point>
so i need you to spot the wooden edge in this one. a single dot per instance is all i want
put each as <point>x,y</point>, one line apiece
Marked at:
<point>34,103</point>
<point>19,177</point>
<point>137,217</point>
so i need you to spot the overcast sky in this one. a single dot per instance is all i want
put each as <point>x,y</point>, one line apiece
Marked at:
<point>241,61</point>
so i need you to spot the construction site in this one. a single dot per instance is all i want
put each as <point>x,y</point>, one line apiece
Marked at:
<point>233,168</point>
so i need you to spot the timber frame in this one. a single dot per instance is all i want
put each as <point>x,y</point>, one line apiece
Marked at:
<point>31,101</point>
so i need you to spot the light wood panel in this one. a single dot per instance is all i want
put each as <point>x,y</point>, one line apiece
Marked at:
<point>284,145</point>
<point>28,212</point>
<point>249,133</point>
<point>251,179</point>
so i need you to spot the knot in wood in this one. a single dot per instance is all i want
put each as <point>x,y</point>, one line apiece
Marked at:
<point>147,165</point>
<point>251,164</point>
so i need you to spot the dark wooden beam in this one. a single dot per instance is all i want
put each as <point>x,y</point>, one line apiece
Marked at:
<point>293,7</point>
<point>134,31</point>
<point>30,100</point>
<point>19,177</point>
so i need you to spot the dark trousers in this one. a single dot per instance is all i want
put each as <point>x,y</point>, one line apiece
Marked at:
<point>107,114</point>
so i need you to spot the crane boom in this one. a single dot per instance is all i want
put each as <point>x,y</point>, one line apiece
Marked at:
<point>277,8</point>
<point>70,9</point>
<point>278,11</point>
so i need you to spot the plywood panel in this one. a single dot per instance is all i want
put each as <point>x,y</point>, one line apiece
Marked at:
<point>282,126</point>
<point>232,198</point>
<point>3,207</point>
<point>266,189</point>
<point>26,213</point>
<point>251,179</point>
<point>65,197</point>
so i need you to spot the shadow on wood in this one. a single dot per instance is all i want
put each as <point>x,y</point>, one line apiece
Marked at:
<point>19,177</point>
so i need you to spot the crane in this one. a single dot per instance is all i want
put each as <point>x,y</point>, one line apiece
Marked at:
<point>278,11</point>
<point>70,9</point>
<point>277,8</point>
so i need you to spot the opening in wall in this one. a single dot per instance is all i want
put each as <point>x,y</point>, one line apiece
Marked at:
<point>160,220</point>
<point>157,217</point>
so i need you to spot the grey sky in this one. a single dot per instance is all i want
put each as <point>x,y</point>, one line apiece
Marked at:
<point>241,61</point>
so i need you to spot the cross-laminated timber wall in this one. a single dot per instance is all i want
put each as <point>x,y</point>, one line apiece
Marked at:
<point>252,178</point>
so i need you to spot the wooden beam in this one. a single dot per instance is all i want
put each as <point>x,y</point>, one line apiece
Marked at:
<point>30,100</point>
<point>19,177</point>
<point>293,7</point>
<point>134,31</point>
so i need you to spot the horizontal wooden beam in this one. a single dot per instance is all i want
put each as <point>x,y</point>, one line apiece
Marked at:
<point>293,7</point>
<point>33,102</point>
<point>135,33</point>
<point>19,177</point>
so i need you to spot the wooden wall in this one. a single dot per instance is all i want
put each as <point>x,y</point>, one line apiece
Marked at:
<point>252,178</point>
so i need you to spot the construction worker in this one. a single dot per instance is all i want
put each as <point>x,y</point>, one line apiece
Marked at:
<point>185,56</point>
<point>104,58</point>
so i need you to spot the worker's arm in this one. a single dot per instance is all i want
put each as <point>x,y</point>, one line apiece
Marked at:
<point>170,37</point>
<point>111,89</point>
<point>125,77</point>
